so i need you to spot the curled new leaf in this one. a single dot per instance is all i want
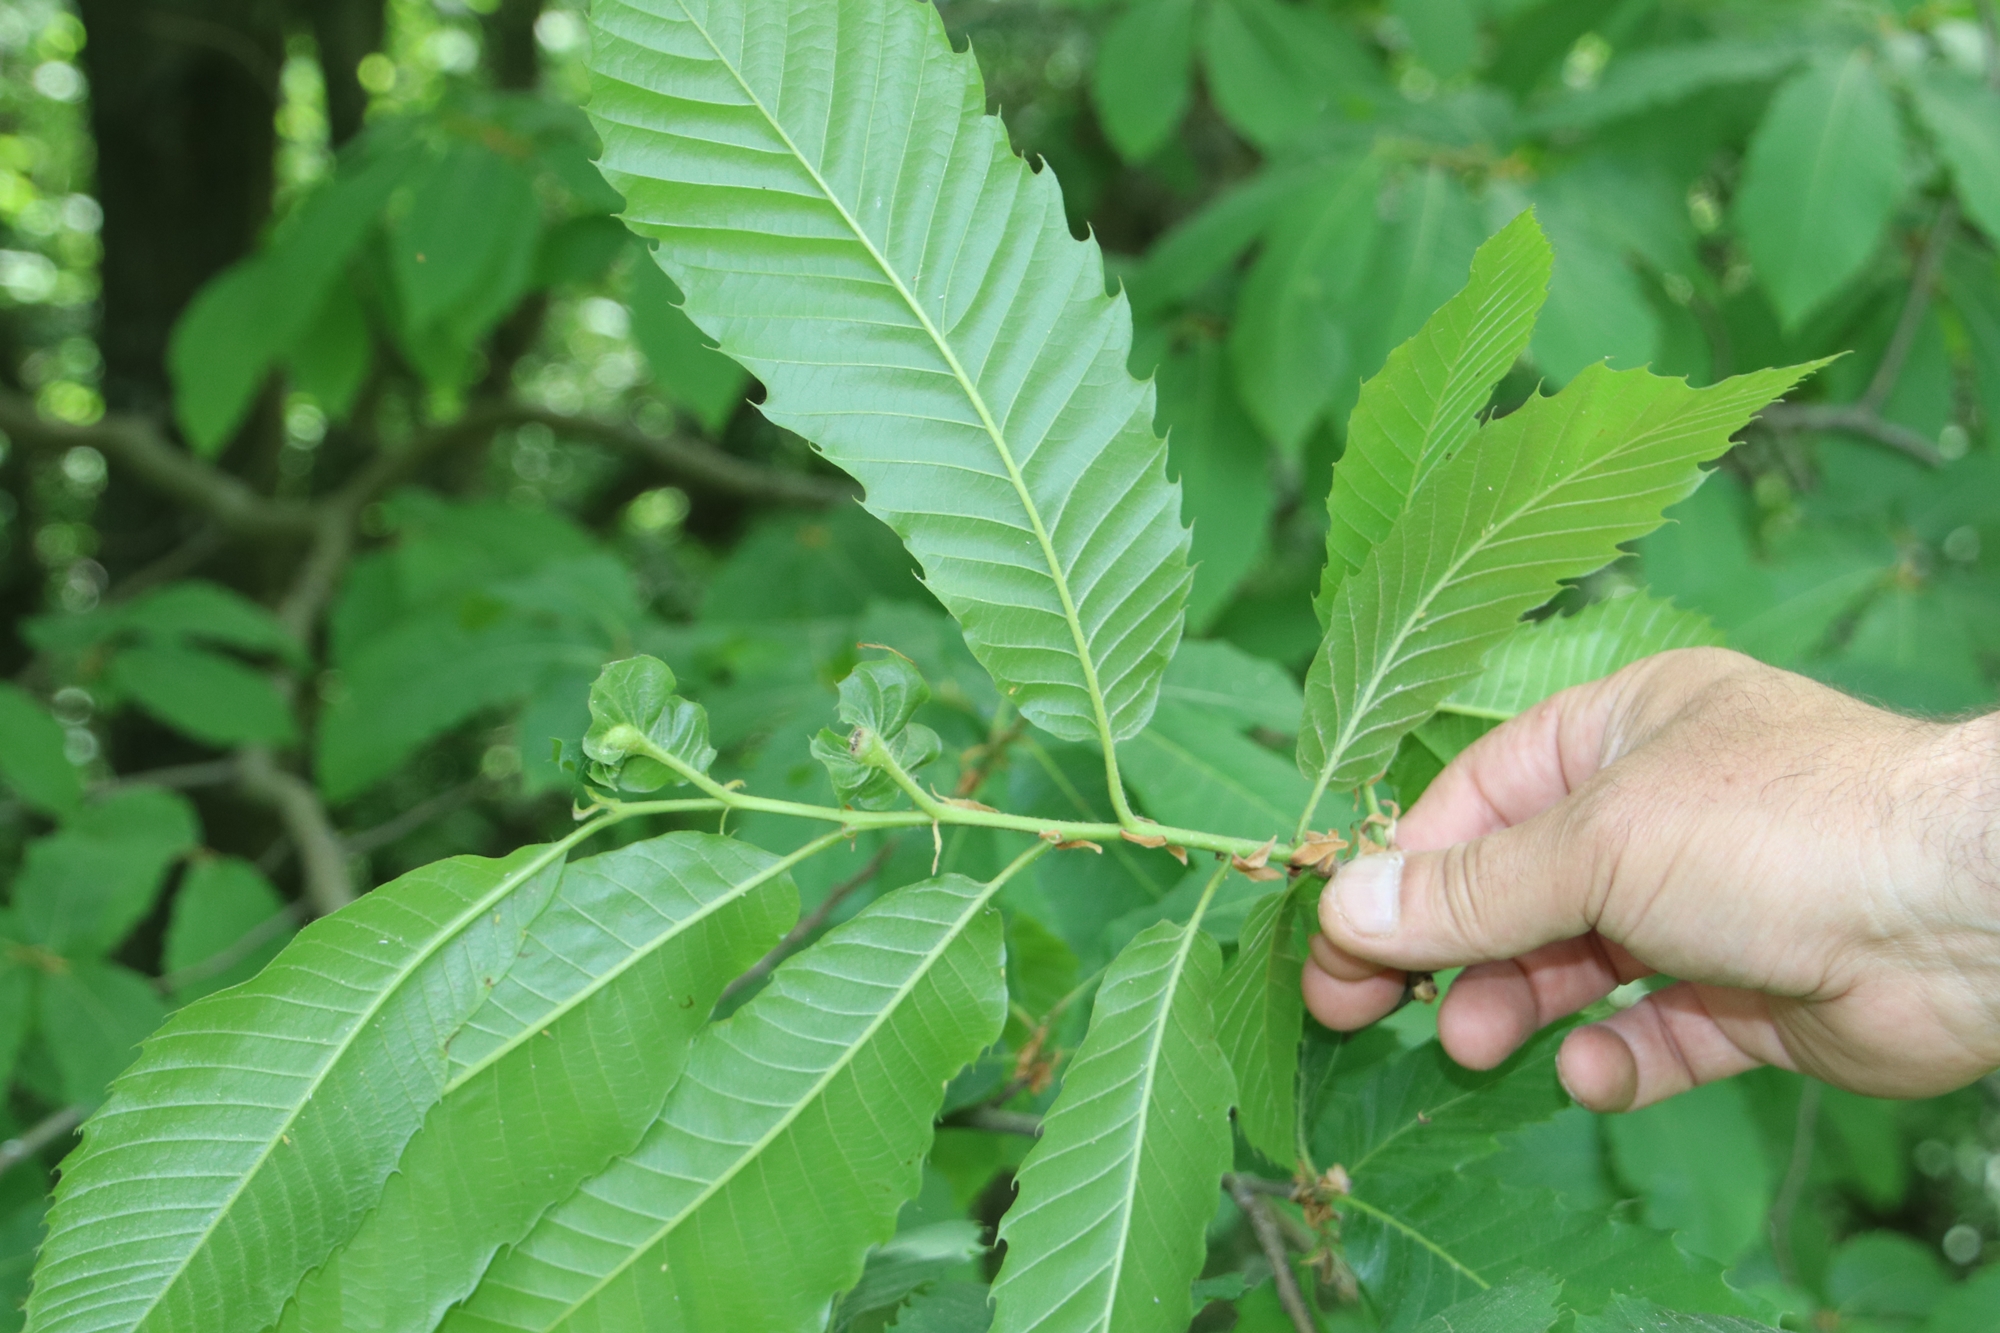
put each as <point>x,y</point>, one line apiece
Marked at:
<point>635,719</point>
<point>883,695</point>
<point>877,701</point>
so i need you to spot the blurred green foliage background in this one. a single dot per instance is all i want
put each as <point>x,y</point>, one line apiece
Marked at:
<point>344,434</point>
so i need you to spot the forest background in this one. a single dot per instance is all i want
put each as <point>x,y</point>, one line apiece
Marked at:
<point>345,433</point>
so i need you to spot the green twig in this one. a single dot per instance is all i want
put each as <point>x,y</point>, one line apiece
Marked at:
<point>46,1131</point>
<point>929,811</point>
<point>1207,896</point>
<point>1312,803</point>
<point>1916,304</point>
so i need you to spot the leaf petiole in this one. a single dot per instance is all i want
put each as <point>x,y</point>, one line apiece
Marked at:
<point>1207,896</point>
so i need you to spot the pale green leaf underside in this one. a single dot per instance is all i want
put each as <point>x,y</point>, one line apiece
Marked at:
<point>563,1067</point>
<point>1422,406</point>
<point>1544,494</point>
<point>847,222</point>
<point>1107,1230</point>
<point>258,1125</point>
<point>786,1147</point>
<point>1258,1016</point>
<point>1538,660</point>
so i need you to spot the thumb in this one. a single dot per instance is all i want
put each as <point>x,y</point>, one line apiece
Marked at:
<point>1495,897</point>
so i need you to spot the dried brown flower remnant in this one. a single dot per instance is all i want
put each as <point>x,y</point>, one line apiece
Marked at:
<point>1256,866</point>
<point>1319,853</point>
<point>1034,1065</point>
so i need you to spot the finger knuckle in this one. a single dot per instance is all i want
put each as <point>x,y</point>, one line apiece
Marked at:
<point>1463,902</point>
<point>1588,840</point>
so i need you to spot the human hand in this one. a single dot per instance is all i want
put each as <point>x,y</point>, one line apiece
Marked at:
<point>1823,876</point>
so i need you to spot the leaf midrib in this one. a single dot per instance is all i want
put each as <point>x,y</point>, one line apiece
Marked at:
<point>506,885</point>
<point>1830,135</point>
<point>1147,1079</point>
<point>1362,1161</point>
<point>1490,318</point>
<point>1429,457</point>
<point>752,1151</point>
<point>1500,304</point>
<point>965,383</point>
<point>1388,1218</point>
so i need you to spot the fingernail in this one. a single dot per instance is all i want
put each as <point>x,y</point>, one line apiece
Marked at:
<point>1563,1079</point>
<point>1368,893</point>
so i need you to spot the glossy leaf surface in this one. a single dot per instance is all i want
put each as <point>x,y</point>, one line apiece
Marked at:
<point>1823,175</point>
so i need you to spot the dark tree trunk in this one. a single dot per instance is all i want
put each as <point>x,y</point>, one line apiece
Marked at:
<point>182,98</point>
<point>511,56</point>
<point>183,94</point>
<point>344,31</point>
